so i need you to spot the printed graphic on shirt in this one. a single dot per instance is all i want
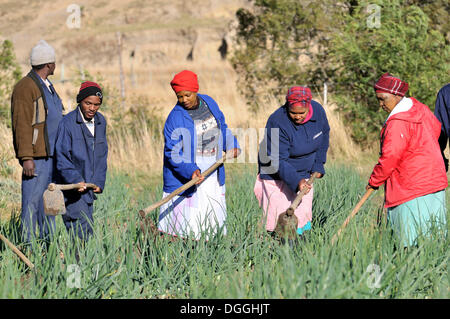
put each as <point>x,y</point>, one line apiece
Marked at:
<point>206,129</point>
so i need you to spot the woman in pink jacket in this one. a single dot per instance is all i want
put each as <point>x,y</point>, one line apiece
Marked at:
<point>410,164</point>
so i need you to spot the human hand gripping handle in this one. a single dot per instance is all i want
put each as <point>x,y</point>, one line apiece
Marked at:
<point>84,186</point>
<point>304,189</point>
<point>306,186</point>
<point>197,175</point>
<point>196,179</point>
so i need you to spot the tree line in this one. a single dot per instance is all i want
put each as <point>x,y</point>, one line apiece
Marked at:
<point>346,44</point>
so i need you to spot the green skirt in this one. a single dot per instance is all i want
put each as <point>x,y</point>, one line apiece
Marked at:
<point>421,216</point>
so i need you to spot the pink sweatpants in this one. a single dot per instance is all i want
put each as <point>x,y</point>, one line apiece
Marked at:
<point>275,197</point>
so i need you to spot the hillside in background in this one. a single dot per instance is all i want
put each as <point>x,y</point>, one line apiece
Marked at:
<point>158,39</point>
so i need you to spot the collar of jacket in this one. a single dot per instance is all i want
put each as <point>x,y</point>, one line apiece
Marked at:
<point>313,118</point>
<point>413,114</point>
<point>185,113</point>
<point>97,119</point>
<point>36,78</point>
<point>39,82</point>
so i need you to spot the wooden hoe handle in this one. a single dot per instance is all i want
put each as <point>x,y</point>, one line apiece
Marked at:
<point>17,251</point>
<point>352,214</point>
<point>183,188</point>
<point>300,195</point>
<point>64,187</point>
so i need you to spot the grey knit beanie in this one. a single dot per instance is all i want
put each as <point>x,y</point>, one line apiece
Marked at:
<point>42,53</point>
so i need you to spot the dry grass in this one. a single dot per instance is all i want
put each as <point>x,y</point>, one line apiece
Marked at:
<point>141,151</point>
<point>160,52</point>
<point>10,167</point>
<point>10,173</point>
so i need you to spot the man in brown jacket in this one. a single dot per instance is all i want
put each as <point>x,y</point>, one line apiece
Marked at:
<point>36,111</point>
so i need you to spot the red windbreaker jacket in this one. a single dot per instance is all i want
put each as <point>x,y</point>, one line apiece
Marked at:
<point>411,164</point>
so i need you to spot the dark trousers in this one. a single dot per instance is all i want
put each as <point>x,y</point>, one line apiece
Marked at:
<point>78,218</point>
<point>32,214</point>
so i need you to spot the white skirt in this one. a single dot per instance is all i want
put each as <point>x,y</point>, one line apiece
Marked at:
<point>201,214</point>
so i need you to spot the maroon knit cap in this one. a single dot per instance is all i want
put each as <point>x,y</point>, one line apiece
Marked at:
<point>390,84</point>
<point>299,95</point>
<point>89,88</point>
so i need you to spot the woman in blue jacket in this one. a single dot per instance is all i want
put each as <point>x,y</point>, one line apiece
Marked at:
<point>295,145</point>
<point>442,112</point>
<point>81,157</point>
<point>195,134</point>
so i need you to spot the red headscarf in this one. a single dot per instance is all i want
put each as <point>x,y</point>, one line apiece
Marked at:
<point>185,81</point>
<point>390,84</point>
<point>300,95</point>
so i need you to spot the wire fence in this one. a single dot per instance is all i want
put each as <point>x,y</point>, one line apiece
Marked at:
<point>322,91</point>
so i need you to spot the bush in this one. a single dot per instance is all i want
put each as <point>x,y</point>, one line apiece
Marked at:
<point>284,43</point>
<point>403,44</point>
<point>10,73</point>
<point>271,40</point>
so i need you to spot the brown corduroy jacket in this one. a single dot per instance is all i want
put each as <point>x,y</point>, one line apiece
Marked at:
<point>28,115</point>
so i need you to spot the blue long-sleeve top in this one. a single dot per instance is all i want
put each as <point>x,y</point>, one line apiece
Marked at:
<point>442,112</point>
<point>80,156</point>
<point>291,152</point>
<point>180,140</point>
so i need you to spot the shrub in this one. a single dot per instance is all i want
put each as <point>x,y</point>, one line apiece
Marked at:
<point>284,43</point>
<point>10,73</point>
<point>403,44</point>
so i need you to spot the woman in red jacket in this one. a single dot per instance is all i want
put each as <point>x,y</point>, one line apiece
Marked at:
<point>410,166</point>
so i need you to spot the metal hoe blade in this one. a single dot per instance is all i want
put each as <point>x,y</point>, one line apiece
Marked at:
<point>54,199</point>
<point>287,225</point>
<point>54,202</point>
<point>287,222</point>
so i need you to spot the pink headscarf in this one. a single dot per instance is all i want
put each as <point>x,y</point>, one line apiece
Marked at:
<point>300,95</point>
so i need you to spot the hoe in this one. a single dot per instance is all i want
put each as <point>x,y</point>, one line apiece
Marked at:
<point>287,222</point>
<point>54,199</point>
<point>146,224</point>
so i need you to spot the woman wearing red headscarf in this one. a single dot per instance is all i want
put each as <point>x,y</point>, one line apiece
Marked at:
<point>195,134</point>
<point>410,166</point>
<point>294,147</point>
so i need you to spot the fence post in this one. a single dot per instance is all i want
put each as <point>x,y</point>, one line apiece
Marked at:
<point>133,76</point>
<point>62,73</point>
<point>122,81</point>
<point>80,66</point>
